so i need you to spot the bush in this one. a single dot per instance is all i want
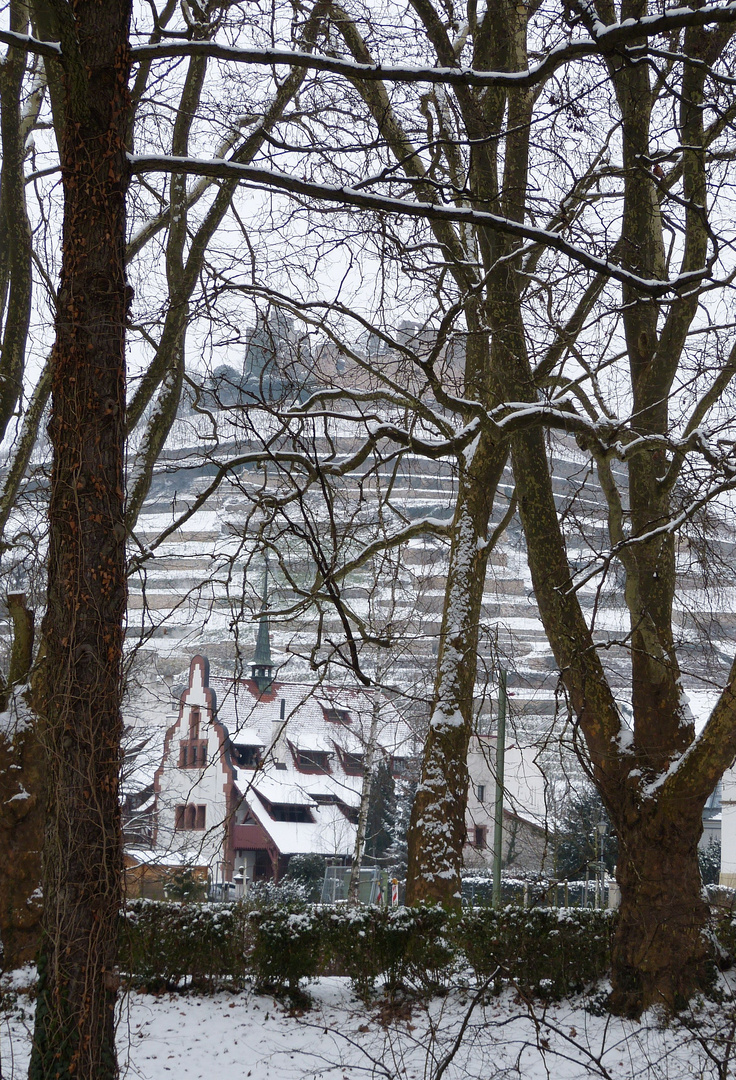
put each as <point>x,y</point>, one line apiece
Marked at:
<point>401,945</point>
<point>308,871</point>
<point>546,952</point>
<point>709,861</point>
<point>280,940</point>
<point>725,936</point>
<point>169,944</point>
<point>185,887</point>
<point>288,946</point>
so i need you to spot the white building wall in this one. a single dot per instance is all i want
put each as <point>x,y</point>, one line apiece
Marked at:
<point>728,829</point>
<point>524,805</point>
<point>198,786</point>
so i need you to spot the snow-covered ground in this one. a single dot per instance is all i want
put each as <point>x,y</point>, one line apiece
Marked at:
<point>247,1035</point>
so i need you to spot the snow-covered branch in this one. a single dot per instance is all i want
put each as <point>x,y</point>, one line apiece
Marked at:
<point>278,181</point>
<point>603,40</point>
<point>28,43</point>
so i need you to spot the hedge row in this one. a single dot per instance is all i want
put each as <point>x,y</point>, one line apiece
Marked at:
<point>544,952</point>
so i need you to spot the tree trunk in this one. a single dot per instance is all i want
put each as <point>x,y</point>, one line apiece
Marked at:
<point>660,953</point>
<point>437,827</point>
<point>22,782</point>
<point>83,626</point>
<point>369,753</point>
<point>15,230</point>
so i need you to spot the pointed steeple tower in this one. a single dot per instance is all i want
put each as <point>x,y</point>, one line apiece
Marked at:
<point>261,670</point>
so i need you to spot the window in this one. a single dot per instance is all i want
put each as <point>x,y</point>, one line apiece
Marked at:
<point>481,792</point>
<point>398,766</point>
<point>247,757</point>
<point>189,816</point>
<point>288,812</point>
<point>353,764</point>
<point>194,724</point>
<point>312,760</point>
<point>192,755</point>
<point>336,716</point>
<point>480,837</point>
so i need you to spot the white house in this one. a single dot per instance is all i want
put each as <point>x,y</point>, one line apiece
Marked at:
<point>256,770</point>
<point>525,836</point>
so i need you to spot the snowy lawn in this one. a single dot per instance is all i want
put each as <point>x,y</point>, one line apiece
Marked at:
<point>236,1036</point>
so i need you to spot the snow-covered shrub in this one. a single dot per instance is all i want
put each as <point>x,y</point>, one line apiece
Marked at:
<point>287,947</point>
<point>546,952</point>
<point>168,944</point>
<point>399,945</point>
<point>308,871</point>
<point>288,894</point>
<point>709,861</point>
<point>280,940</point>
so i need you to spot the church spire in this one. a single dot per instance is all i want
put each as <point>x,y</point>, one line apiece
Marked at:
<point>262,665</point>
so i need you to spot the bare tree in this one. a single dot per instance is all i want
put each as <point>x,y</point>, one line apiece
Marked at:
<point>618,255</point>
<point>585,301</point>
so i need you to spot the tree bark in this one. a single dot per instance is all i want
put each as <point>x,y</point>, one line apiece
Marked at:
<point>437,825</point>
<point>659,951</point>
<point>22,783</point>
<point>83,625</point>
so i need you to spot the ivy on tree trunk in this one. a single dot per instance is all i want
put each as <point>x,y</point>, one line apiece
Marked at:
<point>83,625</point>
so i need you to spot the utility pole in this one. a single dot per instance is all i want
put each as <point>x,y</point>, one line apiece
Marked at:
<point>498,811</point>
<point>369,752</point>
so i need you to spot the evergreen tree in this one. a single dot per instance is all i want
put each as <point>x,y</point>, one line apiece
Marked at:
<point>398,853</point>
<point>578,842</point>
<point>381,814</point>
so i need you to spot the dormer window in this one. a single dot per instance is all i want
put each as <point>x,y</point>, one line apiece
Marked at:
<point>336,716</point>
<point>352,764</point>
<point>350,812</point>
<point>246,756</point>
<point>290,812</point>
<point>312,760</point>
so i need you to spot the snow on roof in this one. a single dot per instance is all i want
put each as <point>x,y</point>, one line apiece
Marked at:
<point>300,789</point>
<point>164,858</point>
<point>252,717</point>
<point>280,792</point>
<point>311,740</point>
<point>329,834</point>
<point>248,736</point>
